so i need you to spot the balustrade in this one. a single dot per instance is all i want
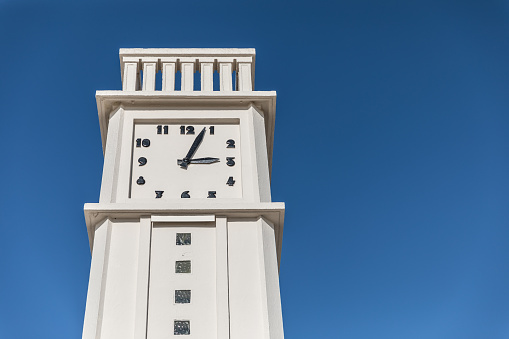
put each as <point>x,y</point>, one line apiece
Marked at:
<point>140,66</point>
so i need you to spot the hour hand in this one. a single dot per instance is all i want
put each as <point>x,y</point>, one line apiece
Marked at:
<point>198,161</point>
<point>196,143</point>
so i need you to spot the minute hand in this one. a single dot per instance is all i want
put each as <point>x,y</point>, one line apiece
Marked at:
<point>192,150</point>
<point>199,161</point>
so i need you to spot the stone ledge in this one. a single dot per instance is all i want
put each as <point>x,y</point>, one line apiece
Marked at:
<point>271,211</point>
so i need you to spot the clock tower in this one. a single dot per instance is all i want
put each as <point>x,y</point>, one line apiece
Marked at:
<point>185,239</point>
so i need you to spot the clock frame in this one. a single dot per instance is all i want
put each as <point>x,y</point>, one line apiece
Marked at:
<point>158,151</point>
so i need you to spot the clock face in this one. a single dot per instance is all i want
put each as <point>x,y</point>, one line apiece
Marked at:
<point>186,161</point>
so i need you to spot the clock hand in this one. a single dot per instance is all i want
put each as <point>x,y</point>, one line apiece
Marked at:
<point>199,161</point>
<point>192,150</point>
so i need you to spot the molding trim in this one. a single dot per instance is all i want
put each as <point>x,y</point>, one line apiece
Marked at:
<point>183,218</point>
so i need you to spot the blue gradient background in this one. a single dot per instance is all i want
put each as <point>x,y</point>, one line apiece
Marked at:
<point>391,153</point>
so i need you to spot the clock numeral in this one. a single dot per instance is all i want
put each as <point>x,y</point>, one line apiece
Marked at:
<point>230,181</point>
<point>230,143</point>
<point>212,194</point>
<point>185,194</point>
<point>142,161</point>
<point>230,162</point>
<point>161,129</point>
<point>211,130</point>
<point>159,194</point>
<point>189,129</point>
<point>144,142</point>
<point>140,181</point>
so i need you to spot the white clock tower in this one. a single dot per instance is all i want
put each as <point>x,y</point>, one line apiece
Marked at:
<point>185,239</point>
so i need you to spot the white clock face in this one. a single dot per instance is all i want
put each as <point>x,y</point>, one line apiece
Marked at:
<point>186,161</point>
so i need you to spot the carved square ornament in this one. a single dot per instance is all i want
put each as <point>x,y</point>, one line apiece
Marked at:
<point>183,239</point>
<point>182,296</point>
<point>181,327</point>
<point>183,266</point>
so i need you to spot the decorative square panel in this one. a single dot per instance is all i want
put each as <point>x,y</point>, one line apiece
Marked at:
<point>182,296</point>
<point>181,327</point>
<point>183,239</point>
<point>183,266</point>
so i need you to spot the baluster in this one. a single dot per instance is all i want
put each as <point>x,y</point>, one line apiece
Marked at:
<point>187,70</point>
<point>207,76</point>
<point>168,76</point>
<point>244,82</point>
<point>131,77</point>
<point>225,76</point>
<point>149,76</point>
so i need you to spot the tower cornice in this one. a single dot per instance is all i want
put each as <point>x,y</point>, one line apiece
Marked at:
<point>274,212</point>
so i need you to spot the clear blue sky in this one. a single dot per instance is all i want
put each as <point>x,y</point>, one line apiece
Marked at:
<point>391,153</point>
